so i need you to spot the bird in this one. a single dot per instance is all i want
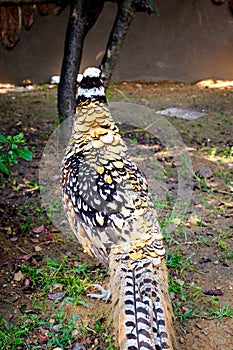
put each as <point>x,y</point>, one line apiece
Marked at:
<point>107,203</point>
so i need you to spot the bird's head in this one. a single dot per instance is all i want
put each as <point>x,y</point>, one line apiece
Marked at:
<point>91,86</point>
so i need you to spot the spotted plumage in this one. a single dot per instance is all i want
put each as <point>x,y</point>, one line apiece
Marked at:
<point>106,200</point>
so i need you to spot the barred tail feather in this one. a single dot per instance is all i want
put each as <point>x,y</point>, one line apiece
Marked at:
<point>142,313</point>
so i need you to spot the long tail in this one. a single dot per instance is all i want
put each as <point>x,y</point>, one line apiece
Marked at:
<point>142,312</point>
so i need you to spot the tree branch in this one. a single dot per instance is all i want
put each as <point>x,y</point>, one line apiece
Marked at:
<point>125,14</point>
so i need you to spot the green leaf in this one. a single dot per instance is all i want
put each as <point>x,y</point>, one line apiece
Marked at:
<point>9,139</point>
<point>12,157</point>
<point>3,139</point>
<point>18,139</point>
<point>24,153</point>
<point>81,302</point>
<point>3,168</point>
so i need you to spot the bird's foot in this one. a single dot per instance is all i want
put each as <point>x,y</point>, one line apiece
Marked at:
<point>105,294</point>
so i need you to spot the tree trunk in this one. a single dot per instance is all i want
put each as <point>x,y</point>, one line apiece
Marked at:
<point>125,14</point>
<point>83,15</point>
<point>75,35</point>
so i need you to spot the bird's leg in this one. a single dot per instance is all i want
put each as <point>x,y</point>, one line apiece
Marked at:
<point>105,293</point>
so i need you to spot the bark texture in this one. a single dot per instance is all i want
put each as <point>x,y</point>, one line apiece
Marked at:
<point>125,14</point>
<point>83,15</point>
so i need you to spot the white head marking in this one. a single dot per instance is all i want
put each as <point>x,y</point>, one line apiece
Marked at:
<point>91,92</point>
<point>92,72</point>
<point>79,78</point>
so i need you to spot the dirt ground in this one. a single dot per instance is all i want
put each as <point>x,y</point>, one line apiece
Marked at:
<point>204,236</point>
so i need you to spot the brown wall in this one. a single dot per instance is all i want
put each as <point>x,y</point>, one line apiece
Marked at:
<point>190,40</point>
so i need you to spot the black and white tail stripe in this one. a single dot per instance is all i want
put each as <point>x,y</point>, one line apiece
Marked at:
<point>144,317</point>
<point>91,86</point>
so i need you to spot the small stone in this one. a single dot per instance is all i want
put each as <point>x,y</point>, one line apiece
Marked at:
<point>37,248</point>
<point>26,282</point>
<point>204,260</point>
<point>181,340</point>
<point>18,276</point>
<point>205,172</point>
<point>56,328</point>
<point>181,113</point>
<point>180,282</point>
<point>75,332</point>
<point>216,262</point>
<point>172,296</point>
<point>78,346</point>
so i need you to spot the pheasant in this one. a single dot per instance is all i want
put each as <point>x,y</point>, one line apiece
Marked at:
<point>105,197</point>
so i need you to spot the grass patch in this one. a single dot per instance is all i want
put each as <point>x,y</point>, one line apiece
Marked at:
<point>68,275</point>
<point>188,298</point>
<point>14,335</point>
<point>59,285</point>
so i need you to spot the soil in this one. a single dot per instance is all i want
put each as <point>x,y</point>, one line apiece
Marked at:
<point>204,236</point>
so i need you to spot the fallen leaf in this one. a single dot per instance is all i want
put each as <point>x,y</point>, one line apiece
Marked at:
<point>213,292</point>
<point>54,230</point>
<point>58,286</point>
<point>32,311</point>
<point>33,240</point>
<point>56,296</point>
<point>13,239</point>
<point>38,229</point>
<point>25,257</point>
<point>184,308</point>
<point>42,338</point>
<point>50,237</point>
